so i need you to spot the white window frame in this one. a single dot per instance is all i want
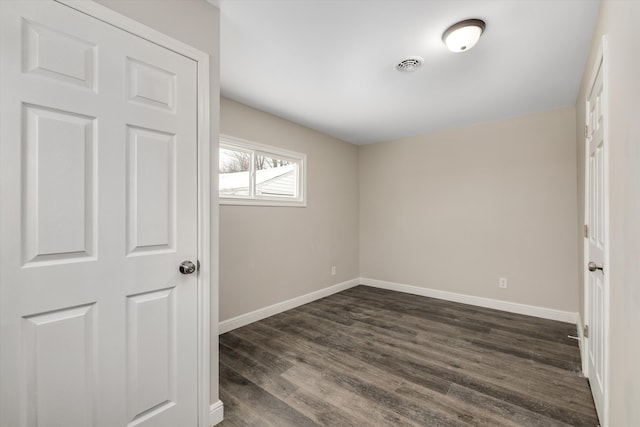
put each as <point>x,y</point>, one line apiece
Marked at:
<point>255,148</point>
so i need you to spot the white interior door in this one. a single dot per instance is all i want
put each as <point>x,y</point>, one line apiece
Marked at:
<point>596,280</point>
<point>98,193</point>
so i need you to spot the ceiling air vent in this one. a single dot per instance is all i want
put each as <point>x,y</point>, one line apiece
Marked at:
<point>410,64</point>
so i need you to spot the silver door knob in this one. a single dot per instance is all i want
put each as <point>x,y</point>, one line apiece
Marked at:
<point>187,267</point>
<point>593,267</point>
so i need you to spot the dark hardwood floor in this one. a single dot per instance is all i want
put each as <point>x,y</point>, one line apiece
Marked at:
<point>371,357</point>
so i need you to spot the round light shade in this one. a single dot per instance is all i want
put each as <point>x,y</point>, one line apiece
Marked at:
<point>463,35</point>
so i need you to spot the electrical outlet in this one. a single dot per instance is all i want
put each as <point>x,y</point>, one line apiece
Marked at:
<point>333,270</point>
<point>502,282</point>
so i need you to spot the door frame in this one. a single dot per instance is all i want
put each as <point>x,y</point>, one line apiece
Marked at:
<point>601,64</point>
<point>205,278</point>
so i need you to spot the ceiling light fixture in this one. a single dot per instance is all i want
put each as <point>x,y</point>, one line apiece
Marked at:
<point>463,35</point>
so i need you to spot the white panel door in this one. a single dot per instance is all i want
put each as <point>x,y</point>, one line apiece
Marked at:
<point>596,241</point>
<point>98,208</point>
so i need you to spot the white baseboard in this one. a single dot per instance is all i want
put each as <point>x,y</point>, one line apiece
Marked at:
<point>512,307</point>
<point>216,413</point>
<point>262,313</point>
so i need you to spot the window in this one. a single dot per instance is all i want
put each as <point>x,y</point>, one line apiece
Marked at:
<point>257,174</point>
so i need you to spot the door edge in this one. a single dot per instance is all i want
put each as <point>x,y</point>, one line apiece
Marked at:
<point>600,63</point>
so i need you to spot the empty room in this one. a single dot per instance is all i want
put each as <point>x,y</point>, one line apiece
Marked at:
<point>319,213</point>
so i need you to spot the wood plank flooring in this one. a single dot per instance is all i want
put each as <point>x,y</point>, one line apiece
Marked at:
<point>371,357</point>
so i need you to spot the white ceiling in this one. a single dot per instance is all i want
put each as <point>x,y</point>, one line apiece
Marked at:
<point>330,64</point>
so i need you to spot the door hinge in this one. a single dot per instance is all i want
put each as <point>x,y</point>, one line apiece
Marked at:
<point>586,231</point>
<point>585,331</point>
<point>586,131</point>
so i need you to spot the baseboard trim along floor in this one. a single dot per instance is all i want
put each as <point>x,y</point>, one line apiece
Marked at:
<point>511,307</point>
<point>216,413</point>
<point>263,313</point>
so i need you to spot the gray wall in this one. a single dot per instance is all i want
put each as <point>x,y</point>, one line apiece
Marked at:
<point>457,209</point>
<point>196,23</point>
<point>619,20</point>
<point>273,254</point>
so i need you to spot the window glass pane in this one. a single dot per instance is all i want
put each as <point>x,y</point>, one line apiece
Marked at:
<point>275,176</point>
<point>255,174</point>
<point>234,169</point>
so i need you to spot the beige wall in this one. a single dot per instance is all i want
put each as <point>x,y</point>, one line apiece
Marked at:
<point>619,20</point>
<point>196,23</point>
<point>458,209</point>
<point>272,254</point>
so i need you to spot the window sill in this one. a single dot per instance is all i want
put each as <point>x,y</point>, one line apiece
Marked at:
<point>262,202</point>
